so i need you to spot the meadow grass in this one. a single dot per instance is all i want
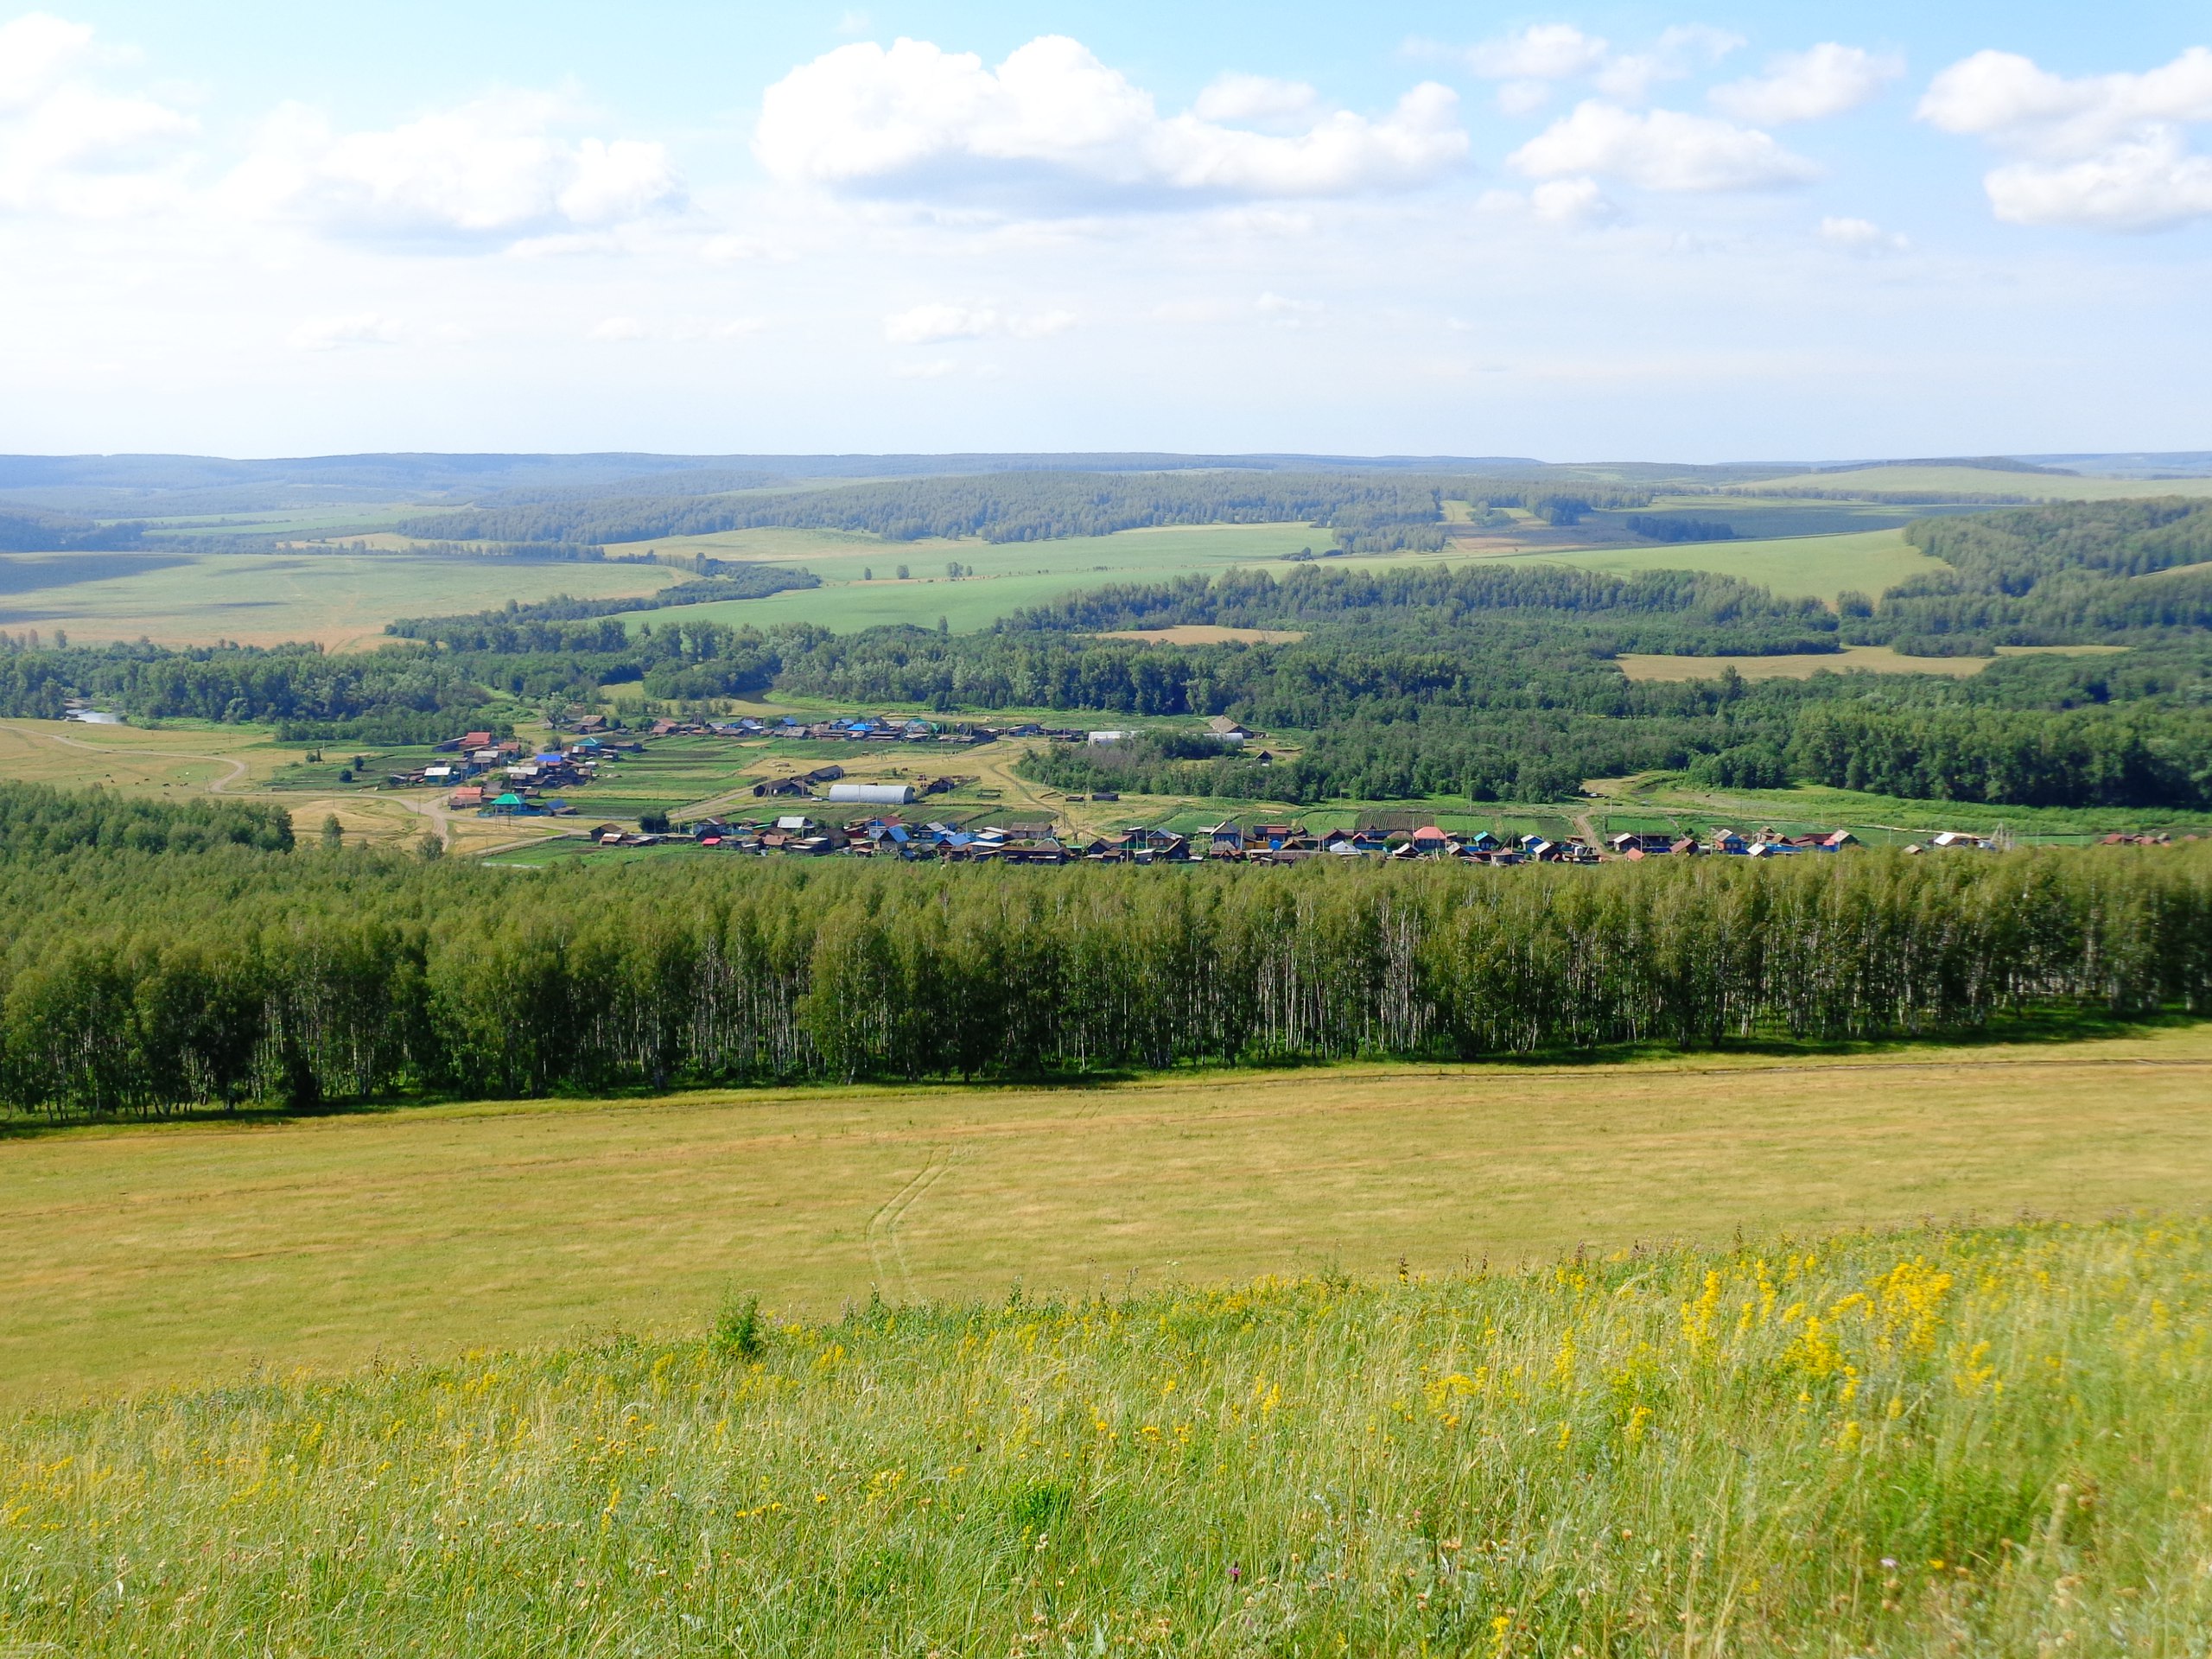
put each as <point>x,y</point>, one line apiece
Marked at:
<point>200,1249</point>
<point>1984,1441</point>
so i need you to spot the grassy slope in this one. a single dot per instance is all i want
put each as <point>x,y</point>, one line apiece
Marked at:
<point>135,1255</point>
<point>341,599</point>
<point>1984,1442</point>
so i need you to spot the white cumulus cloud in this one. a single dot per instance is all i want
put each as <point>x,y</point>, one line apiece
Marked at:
<point>1659,150</point>
<point>1053,126</point>
<point>1630,76</point>
<point>1861,236</point>
<point>334,334</point>
<point>2099,152</point>
<point>2151,185</point>
<point>1571,201</point>
<point>1811,86</point>
<point>618,330</point>
<point>69,145</point>
<point>1259,100</point>
<point>1529,60</point>
<point>499,168</point>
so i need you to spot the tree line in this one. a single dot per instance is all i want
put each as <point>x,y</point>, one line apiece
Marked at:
<point>38,822</point>
<point>2060,574</point>
<point>137,982</point>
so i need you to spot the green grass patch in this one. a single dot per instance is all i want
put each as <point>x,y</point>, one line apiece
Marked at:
<point>1007,576</point>
<point>1884,818</point>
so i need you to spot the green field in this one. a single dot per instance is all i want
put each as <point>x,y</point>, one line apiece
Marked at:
<point>339,600</point>
<point>1885,817</point>
<point>1008,575</point>
<point>1816,567</point>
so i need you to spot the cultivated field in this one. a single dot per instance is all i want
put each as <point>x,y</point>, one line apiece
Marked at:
<point>340,600</point>
<point>137,1256</point>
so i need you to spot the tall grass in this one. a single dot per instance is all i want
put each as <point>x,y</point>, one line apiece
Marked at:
<point>1989,1441</point>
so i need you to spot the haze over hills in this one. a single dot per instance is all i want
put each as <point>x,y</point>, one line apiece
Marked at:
<point>121,484</point>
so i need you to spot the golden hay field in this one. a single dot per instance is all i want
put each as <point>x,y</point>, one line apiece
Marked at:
<point>132,1255</point>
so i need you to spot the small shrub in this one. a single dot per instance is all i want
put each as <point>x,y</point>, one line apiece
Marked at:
<point>740,1330</point>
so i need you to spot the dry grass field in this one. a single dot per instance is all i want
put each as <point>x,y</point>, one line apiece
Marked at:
<point>223,760</point>
<point>136,1255</point>
<point>1865,659</point>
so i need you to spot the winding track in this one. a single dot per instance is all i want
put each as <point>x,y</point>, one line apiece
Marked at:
<point>238,768</point>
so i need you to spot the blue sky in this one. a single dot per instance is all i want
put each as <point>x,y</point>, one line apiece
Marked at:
<point>1578,232</point>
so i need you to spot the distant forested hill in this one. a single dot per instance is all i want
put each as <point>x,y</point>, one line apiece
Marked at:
<point>1370,509</point>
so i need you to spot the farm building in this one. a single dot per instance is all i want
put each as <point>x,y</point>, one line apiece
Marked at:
<point>873,794</point>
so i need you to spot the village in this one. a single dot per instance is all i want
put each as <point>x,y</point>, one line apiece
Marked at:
<point>506,778</point>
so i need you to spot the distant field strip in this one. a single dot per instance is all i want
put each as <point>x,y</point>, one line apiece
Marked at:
<point>142,1255</point>
<point>1002,576</point>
